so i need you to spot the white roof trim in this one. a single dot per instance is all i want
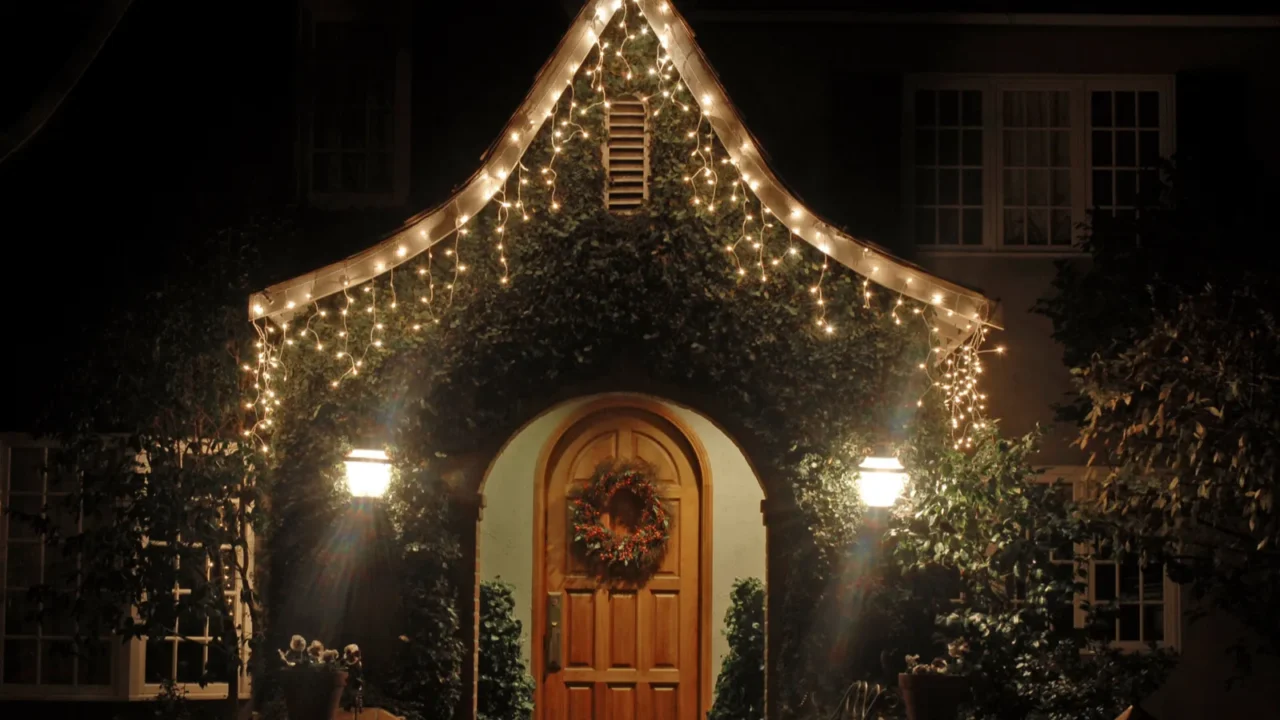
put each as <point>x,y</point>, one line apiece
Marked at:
<point>999,19</point>
<point>960,310</point>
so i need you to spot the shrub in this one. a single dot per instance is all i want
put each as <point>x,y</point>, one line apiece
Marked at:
<point>740,686</point>
<point>505,688</point>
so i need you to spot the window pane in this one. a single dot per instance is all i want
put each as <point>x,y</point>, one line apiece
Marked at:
<point>926,186</point>
<point>58,618</point>
<point>925,226</point>
<point>1060,149</point>
<point>1037,149</point>
<point>24,565</point>
<point>1100,108</point>
<point>26,470</point>
<point>64,518</point>
<point>25,507</point>
<point>1153,623</point>
<point>1126,187</point>
<point>191,625</point>
<point>1013,114</point>
<point>1015,148</point>
<point>1102,188</point>
<point>95,663</point>
<point>926,114</point>
<point>158,665</point>
<point>228,570</point>
<point>926,147</point>
<point>1037,106</point>
<point>1126,111</point>
<point>20,661</point>
<point>19,613</point>
<point>352,171</point>
<point>57,663</point>
<point>1037,227</point>
<point>972,111</point>
<point>217,668</point>
<point>1038,187</point>
<point>972,154</point>
<point>1149,109</point>
<point>1062,109</point>
<point>1060,188</point>
<point>948,227</point>
<point>972,192</point>
<point>1062,235</point>
<point>972,230</point>
<point>1014,187</point>
<point>949,107</point>
<point>948,147</point>
<point>1153,582</point>
<point>948,187</point>
<point>190,661</point>
<point>1126,148</point>
<point>1015,222</point>
<point>1128,618</point>
<point>1104,579</point>
<point>1101,147</point>
<point>61,473</point>
<point>1129,580</point>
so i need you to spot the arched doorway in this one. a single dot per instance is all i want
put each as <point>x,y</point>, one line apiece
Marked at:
<point>622,649</point>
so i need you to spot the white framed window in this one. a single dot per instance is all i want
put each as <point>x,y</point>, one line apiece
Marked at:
<point>1146,604</point>
<point>36,651</point>
<point>185,655</point>
<point>357,124</point>
<point>1016,162</point>
<point>36,655</point>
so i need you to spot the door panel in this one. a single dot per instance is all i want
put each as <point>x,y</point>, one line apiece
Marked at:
<point>631,648</point>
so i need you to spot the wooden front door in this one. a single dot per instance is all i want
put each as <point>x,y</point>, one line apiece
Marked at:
<point>627,651</point>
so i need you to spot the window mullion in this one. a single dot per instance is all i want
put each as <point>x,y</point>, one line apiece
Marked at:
<point>992,183</point>
<point>1082,159</point>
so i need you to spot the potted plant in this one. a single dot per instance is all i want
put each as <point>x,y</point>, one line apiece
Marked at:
<point>929,690</point>
<point>313,678</point>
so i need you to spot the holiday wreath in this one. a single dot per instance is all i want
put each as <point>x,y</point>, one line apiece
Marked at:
<point>638,550</point>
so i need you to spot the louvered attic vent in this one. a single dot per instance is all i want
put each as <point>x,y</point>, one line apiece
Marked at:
<point>626,156</point>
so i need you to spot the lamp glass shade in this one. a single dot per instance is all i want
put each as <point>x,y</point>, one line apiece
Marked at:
<point>881,481</point>
<point>368,473</point>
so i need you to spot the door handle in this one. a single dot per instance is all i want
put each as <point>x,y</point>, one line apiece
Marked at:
<point>555,632</point>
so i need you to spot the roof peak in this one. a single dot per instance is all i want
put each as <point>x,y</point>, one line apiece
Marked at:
<point>960,311</point>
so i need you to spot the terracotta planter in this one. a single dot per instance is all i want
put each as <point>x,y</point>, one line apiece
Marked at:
<point>932,697</point>
<point>312,694</point>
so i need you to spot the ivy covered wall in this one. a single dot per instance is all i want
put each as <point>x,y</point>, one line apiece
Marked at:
<point>448,356</point>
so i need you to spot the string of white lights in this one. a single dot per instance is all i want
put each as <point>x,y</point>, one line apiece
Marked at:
<point>957,318</point>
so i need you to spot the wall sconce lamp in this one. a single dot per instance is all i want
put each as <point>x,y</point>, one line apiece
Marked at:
<point>368,473</point>
<point>881,480</point>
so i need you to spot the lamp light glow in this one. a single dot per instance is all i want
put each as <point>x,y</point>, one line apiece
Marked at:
<point>881,481</point>
<point>368,473</point>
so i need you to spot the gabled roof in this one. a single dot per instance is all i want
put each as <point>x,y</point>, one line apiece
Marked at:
<point>961,311</point>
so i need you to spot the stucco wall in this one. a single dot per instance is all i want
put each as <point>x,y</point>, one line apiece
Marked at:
<point>506,529</point>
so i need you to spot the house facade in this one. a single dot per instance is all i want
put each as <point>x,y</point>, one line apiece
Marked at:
<point>972,144</point>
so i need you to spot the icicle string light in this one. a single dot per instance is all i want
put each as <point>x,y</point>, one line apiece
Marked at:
<point>721,154</point>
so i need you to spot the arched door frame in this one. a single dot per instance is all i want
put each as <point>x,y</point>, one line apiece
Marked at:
<point>583,414</point>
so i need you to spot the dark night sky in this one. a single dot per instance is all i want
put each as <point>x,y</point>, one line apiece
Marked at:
<point>178,115</point>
